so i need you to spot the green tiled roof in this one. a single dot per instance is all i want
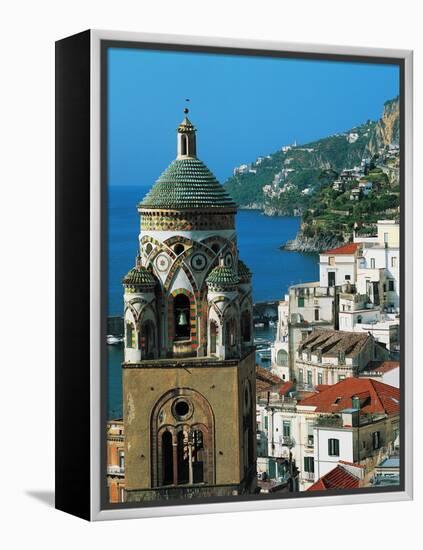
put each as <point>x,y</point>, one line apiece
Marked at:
<point>187,183</point>
<point>139,276</point>
<point>222,276</point>
<point>243,272</point>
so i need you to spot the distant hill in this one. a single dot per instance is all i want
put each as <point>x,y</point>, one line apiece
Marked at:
<point>298,179</point>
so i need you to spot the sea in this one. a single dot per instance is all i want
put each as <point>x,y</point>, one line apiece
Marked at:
<point>259,241</point>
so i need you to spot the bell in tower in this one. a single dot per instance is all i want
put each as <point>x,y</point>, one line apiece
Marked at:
<point>189,359</point>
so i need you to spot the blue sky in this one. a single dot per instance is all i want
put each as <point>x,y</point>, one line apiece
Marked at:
<point>242,107</point>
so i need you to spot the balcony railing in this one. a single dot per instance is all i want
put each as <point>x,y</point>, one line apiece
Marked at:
<point>115,470</point>
<point>286,440</point>
<point>308,476</point>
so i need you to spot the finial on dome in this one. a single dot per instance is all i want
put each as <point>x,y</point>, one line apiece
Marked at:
<point>186,110</point>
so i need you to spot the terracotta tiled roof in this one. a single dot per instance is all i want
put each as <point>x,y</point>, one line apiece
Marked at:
<point>265,380</point>
<point>331,342</point>
<point>338,478</point>
<point>375,397</point>
<point>349,248</point>
<point>285,388</point>
<point>322,387</point>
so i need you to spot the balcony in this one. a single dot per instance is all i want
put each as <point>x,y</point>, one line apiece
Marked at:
<point>115,470</point>
<point>310,441</point>
<point>286,440</point>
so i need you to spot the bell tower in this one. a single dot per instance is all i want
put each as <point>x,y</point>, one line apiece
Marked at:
<point>189,364</point>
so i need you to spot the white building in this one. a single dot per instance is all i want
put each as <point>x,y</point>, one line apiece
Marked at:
<point>355,421</point>
<point>338,266</point>
<point>280,348</point>
<point>380,263</point>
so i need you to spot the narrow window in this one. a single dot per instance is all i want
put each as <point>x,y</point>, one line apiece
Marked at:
<point>319,378</point>
<point>246,326</point>
<point>286,428</point>
<point>300,301</point>
<point>331,260</point>
<point>129,335</point>
<point>372,263</point>
<point>376,440</point>
<point>309,464</point>
<point>167,458</point>
<point>391,285</point>
<point>197,456</point>
<point>300,376</point>
<point>184,145</point>
<point>331,278</point>
<point>183,456</point>
<point>213,337</point>
<point>316,314</point>
<point>309,378</point>
<point>333,447</point>
<point>393,261</point>
<point>121,460</point>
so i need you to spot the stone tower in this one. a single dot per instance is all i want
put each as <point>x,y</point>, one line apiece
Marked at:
<point>189,366</point>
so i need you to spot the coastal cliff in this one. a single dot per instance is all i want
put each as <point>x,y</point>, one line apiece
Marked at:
<point>331,183</point>
<point>312,244</point>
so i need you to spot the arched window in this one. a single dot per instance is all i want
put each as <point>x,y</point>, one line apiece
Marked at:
<point>147,339</point>
<point>230,329</point>
<point>184,145</point>
<point>183,449</point>
<point>282,358</point>
<point>246,326</point>
<point>359,319</point>
<point>167,458</point>
<point>181,308</point>
<point>213,336</point>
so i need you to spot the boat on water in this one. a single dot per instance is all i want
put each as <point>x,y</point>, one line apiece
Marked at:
<point>113,340</point>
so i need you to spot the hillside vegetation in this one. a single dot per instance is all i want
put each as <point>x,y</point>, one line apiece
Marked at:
<point>325,181</point>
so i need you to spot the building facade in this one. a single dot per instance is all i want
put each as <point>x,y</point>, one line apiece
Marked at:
<point>354,421</point>
<point>115,460</point>
<point>327,357</point>
<point>189,368</point>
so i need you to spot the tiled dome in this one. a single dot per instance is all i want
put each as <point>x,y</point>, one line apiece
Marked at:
<point>187,183</point>
<point>222,276</point>
<point>139,276</point>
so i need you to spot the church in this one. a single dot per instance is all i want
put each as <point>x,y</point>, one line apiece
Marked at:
<point>189,363</point>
